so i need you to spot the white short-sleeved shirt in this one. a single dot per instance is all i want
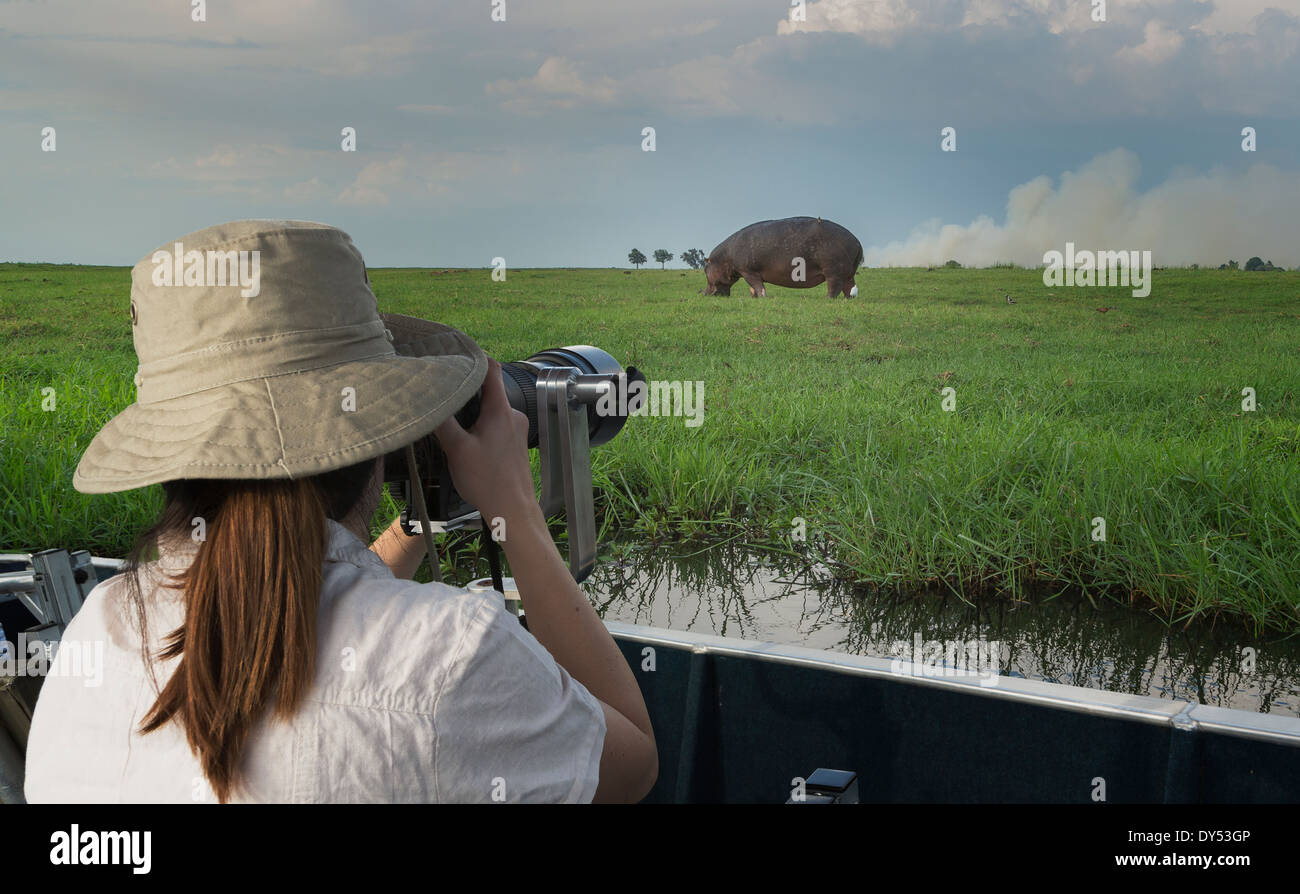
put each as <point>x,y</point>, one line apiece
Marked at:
<point>422,693</point>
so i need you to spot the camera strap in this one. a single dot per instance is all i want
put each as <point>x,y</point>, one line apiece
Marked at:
<point>426,528</point>
<point>494,559</point>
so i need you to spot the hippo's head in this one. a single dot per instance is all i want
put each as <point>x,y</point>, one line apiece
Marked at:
<point>719,276</point>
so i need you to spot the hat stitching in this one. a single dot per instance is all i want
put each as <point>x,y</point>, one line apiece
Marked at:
<point>155,407</point>
<point>385,366</point>
<point>128,437</point>
<point>227,346</point>
<point>163,425</point>
<point>264,377</point>
<point>246,465</point>
<point>276,416</point>
<point>380,377</point>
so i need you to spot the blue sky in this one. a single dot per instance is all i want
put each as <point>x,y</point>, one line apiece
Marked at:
<point>522,138</point>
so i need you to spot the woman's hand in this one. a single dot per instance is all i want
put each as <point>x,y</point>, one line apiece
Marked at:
<point>489,463</point>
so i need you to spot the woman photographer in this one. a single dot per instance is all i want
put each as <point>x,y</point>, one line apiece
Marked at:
<point>254,648</point>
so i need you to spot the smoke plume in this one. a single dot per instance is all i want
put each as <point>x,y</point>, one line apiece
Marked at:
<point>1190,218</point>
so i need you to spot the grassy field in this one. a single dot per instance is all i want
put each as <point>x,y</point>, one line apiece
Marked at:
<point>830,411</point>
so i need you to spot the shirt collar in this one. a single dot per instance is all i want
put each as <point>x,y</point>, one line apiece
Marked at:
<point>344,546</point>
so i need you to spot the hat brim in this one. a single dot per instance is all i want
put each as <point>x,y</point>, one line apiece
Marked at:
<point>294,425</point>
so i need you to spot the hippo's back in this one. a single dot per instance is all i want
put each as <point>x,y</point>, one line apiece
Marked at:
<point>811,237</point>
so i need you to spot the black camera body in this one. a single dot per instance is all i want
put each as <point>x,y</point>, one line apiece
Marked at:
<point>440,496</point>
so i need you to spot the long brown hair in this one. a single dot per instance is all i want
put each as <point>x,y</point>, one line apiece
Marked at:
<point>248,643</point>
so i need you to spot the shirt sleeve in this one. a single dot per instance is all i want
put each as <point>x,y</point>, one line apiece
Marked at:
<point>512,724</point>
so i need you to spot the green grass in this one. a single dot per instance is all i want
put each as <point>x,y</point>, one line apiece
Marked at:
<point>830,411</point>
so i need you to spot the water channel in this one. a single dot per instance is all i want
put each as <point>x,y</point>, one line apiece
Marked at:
<point>731,590</point>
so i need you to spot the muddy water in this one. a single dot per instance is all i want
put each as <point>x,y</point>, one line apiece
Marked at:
<point>729,590</point>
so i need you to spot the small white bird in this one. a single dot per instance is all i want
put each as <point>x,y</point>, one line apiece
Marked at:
<point>1010,300</point>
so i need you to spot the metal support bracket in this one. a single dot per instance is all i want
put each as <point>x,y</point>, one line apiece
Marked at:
<point>566,464</point>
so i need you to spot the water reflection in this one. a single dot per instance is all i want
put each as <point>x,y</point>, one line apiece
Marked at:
<point>730,590</point>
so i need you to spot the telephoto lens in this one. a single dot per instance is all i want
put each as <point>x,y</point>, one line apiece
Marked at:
<point>520,380</point>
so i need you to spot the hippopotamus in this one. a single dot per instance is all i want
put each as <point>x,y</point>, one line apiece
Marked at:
<point>797,252</point>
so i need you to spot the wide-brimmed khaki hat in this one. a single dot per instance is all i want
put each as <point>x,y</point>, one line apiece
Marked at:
<point>263,355</point>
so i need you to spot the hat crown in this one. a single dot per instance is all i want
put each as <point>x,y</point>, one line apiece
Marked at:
<point>250,298</point>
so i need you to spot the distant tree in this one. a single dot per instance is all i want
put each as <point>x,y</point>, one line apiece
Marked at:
<point>663,256</point>
<point>952,264</point>
<point>635,258</point>
<point>694,257</point>
<point>1255,264</point>
<point>1231,265</point>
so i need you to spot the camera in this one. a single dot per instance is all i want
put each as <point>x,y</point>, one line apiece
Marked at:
<point>575,398</point>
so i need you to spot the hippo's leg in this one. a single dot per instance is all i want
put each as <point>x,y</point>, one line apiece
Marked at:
<point>835,285</point>
<point>756,287</point>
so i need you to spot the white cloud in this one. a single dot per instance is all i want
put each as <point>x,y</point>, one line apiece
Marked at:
<point>877,21</point>
<point>374,182</point>
<point>1239,15</point>
<point>306,191</point>
<point>1151,56</point>
<point>712,85</point>
<point>1160,43</point>
<point>1203,218</point>
<point>882,21</point>
<point>229,163</point>
<point>557,84</point>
